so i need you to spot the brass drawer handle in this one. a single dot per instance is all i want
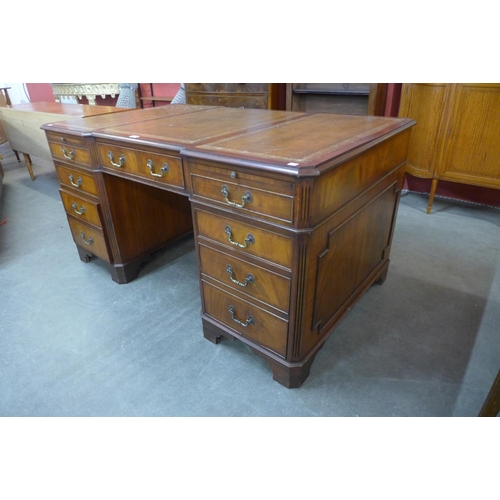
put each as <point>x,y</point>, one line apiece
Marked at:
<point>163,170</point>
<point>90,241</point>
<point>121,160</point>
<point>78,182</point>
<point>249,320</point>
<point>70,156</point>
<point>82,209</point>
<point>249,240</point>
<point>246,198</point>
<point>248,279</point>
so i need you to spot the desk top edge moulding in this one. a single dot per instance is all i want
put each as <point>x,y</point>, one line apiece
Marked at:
<point>88,90</point>
<point>292,213</point>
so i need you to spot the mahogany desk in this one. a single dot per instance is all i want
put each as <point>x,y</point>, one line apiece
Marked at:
<point>293,213</point>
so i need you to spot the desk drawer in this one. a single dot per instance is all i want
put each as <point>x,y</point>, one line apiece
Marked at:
<point>254,281</point>
<point>76,179</point>
<point>81,209</point>
<point>69,153</point>
<point>262,327</point>
<point>89,238</point>
<point>162,168</point>
<point>247,239</point>
<point>269,198</point>
<point>70,140</point>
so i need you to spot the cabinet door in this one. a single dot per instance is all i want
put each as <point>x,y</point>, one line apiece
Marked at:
<point>424,103</point>
<point>472,137</point>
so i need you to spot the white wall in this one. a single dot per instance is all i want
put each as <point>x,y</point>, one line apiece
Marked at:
<point>17,93</point>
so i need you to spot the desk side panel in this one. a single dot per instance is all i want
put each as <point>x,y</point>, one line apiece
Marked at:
<point>347,251</point>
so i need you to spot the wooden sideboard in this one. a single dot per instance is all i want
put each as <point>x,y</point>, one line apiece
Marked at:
<point>457,136</point>
<point>293,214</point>
<point>22,124</point>
<point>237,95</point>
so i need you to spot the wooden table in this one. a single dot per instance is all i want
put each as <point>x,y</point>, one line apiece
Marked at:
<point>293,214</point>
<point>22,124</point>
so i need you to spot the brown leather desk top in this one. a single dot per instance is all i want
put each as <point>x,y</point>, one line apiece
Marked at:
<point>294,143</point>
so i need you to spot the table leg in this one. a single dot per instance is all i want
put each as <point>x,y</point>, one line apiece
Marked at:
<point>29,165</point>
<point>434,186</point>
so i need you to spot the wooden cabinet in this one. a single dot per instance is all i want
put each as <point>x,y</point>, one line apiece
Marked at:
<point>342,98</point>
<point>236,95</point>
<point>457,132</point>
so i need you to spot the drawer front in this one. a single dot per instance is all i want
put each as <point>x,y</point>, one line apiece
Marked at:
<point>230,101</point>
<point>247,239</point>
<point>81,209</point>
<point>89,238</point>
<point>274,201</point>
<point>254,281</point>
<point>251,88</point>
<point>69,153</point>
<point>75,179</point>
<point>66,139</point>
<point>162,168</point>
<point>247,319</point>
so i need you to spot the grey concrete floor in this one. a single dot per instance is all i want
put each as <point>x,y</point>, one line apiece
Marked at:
<point>74,343</point>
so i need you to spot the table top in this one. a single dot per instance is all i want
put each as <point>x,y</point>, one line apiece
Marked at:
<point>288,142</point>
<point>57,108</point>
